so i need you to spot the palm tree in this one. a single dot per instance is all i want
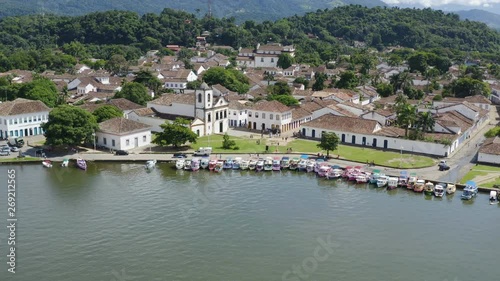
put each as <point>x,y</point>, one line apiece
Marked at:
<point>425,121</point>
<point>406,116</point>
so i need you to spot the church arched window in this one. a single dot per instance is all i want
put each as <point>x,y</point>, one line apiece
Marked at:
<point>208,97</point>
<point>199,98</point>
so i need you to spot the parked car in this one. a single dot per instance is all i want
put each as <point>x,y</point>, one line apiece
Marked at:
<point>180,155</point>
<point>4,152</point>
<point>121,152</point>
<point>14,149</point>
<point>443,167</point>
<point>39,153</point>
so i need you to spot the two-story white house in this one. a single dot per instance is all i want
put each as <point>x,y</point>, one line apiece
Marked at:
<point>22,117</point>
<point>263,55</point>
<point>177,80</point>
<point>271,115</point>
<point>238,114</point>
<point>123,134</point>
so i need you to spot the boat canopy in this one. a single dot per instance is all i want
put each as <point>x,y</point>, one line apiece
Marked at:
<point>304,156</point>
<point>285,158</point>
<point>471,183</point>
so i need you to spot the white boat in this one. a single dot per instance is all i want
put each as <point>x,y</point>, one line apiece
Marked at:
<point>204,163</point>
<point>268,164</point>
<point>276,164</point>
<point>187,164</point>
<point>334,173</point>
<point>285,162</point>
<point>245,164</point>
<point>252,164</point>
<point>361,178</point>
<point>150,164</point>
<point>439,189</point>
<point>81,164</point>
<point>318,164</point>
<point>47,163</point>
<point>211,164</point>
<point>450,188</point>
<point>260,165</point>
<point>65,163</point>
<point>324,170</point>
<point>470,190</point>
<point>382,181</point>
<point>494,196</point>
<point>219,167</point>
<point>179,164</point>
<point>302,164</point>
<point>195,164</point>
<point>429,188</point>
<point>392,183</point>
<point>236,163</point>
<point>419,186</point>
<point>310,165</point>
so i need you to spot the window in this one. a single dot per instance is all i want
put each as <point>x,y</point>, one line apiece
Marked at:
<point>225,113</point>
<point>256,115</point>
<point>127,142</point>
<point>15,120</point>
<point>112,142</point>
<point>209,117</point>
<point>234,112</point>
<point>39,118</point>
<point>263,116</point>
<point>199,98</point>
<point>25,119</point>
<point>261,59</point>
<point>241,112</point>
<point>29,120</point>
<point>208,97</point>
<point>249,114</point>
<point>217,115</point>
<point>277,117</point>
<point>272,59</point>
<point>271,116</point>
<point>144,138</point>
<point>104,141</point>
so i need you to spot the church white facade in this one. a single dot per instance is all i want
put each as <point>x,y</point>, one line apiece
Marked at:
<point>213,110</point>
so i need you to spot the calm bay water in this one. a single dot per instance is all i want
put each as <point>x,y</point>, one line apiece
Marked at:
<point>119,222</point>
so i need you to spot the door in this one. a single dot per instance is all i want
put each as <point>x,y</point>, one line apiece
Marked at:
<point>374,144</point>
<point>313,133</point>
<point>136,142</point>
<point>255,125</point>
<point>263,126</point>
<point>304,131</point>
<point>385,144</point>
<point>221,127</point>
<point>31,131</point>
<point>343,137</point>
<point>26,132</point>
<point>36,131</point>
<point>353,139</point>
<point>364,140</point>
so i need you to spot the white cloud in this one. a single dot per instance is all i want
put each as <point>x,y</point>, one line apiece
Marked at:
<point>431,3</point>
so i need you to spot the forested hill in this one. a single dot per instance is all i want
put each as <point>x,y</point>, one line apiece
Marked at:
<point>241,10</point>
<point>319,36</point>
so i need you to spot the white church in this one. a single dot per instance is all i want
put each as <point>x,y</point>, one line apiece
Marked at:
<point>209,114</point>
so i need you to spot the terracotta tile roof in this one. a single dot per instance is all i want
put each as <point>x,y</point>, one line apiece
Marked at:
<point>311,106</point>
<point>344,124</point>
<point>124,104</point>
<point>145,111</point>
<point>236,105</point>
<point>454,118</point>
<point>91,107</point>
<point>271,106</point>
<point>169,99</point>
<point>394,132</point>
<point>270,48</point>
<point>22,106</point>
<point>385,112</point>
<point>342,111</point>
<point>121,126</point>
<point>299,113</point>
<point>491,146</point>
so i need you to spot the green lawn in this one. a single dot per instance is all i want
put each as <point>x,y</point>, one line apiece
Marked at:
<point>480,172</point>
<point>24,159</point>
<point>358,154</point>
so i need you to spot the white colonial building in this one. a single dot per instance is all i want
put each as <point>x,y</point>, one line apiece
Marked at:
<point>271,115</point>
<point>22,117</point>
<point>238,114</point>
<point>263,55</point>
<point>123,134</point>
<point>490,151</point>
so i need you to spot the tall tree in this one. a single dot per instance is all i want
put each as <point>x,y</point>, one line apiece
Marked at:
<point>134,92</point>
<point>107,112</point>
<point>41,89</point>
<point>406,116</point>
<point>348,80</point>
<point>147,79</point>
<point>425,121</point>
<point>285,61</point>
<point>176,133</point>
<point>319,83</point>
<point>116,64</point>
<point>69,125</point>
<point>329,141</point>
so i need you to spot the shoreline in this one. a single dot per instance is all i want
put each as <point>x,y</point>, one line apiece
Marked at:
<point>111,158</point>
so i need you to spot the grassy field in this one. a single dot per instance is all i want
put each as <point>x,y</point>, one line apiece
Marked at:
<point>15,159</point>
<point>485,176</point>
<point>358,154</point>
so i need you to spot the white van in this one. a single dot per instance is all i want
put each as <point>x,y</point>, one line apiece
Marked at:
<point>203,151</point>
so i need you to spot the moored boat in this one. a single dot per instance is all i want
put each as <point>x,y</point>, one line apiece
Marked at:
<point>494,197</point>
<point>318,164</point>
<point>470,190</point>
<point>451,188</point>
<point>324,168</point>
<point>294,163</point>
<point>439,189</point>
<point>228,164</point>
<point>403,179</point>
<point>65,163</point>
<point>260,165</point>
<point>236,163</point>
<point>150,164</point>
<point>361,178</point>
<point>412,180</point>
<point>429,188</point>
<point>179,164</point>
<point>244,165</point>
<point>276,164</point>
<point>82,164</point>
<point>252,164</point>
<point>419,186</point>
<point>47,163</point>
<point>195,164</point>
<point>302,165</point>
<point>219,166</point>
<point>211,164</point>
<point>187,165</point>
<point>374,176</point>
<point>204,163</point>
<point>268,164</point>
<point>382,181</point>
<point>310,165</point>
<point>392,183</point>
<point>285,162</point>
<point>334,173</point>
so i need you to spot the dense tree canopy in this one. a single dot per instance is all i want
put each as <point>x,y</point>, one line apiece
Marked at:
<point>329,142</point>
<point>232,79</point>
<point>107,112</point>
<point>176,133</point>
<point>69,125</point>
<point>134,92</point>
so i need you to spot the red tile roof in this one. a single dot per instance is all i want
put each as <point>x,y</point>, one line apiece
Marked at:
<point>121,126</point>
<point>344,124</point>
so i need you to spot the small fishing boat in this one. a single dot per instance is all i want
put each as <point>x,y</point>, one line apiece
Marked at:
<point>429,188</point>
<point>47,163</point>
<point>260,165</point>
<point>403,179</point>
<point>204,163</point>
<point>285,162</point>
<point>303,163</point>
<point>470,190</point>
<point>276,164</point>
<point>219,166</point>
<point>494,197</point>
<point>362,178</point>
<point>236,163</point>
<point>195,164</point>
<point>324,169</point>
<point>310,165</point>
<point>65,163</point>
<point>252,165</point>
<point>294,164</point>
<point>382,181</point>
<point>450,188</point>
<point>347,171</point>
<point>334,173</point>
<point>150,164</point>
<point>419,186</point>
<point>392,183</point>
<point>187,165</point>
<point>180,163</point>
<point>245,164</point>
<point>82,164</point>
<point>318,164</point>
<point>211,164</point>
<point>268,164</point>
<point>354,173</point>
<point>439,189</point>
<point>374,176</point>
<point>228,164</point>
<point>412,180</point>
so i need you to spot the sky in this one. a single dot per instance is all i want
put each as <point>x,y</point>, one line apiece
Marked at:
<point>433,3</point>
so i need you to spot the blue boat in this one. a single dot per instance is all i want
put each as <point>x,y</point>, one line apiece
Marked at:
<point>470,190</point>
<point>228,164</point>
